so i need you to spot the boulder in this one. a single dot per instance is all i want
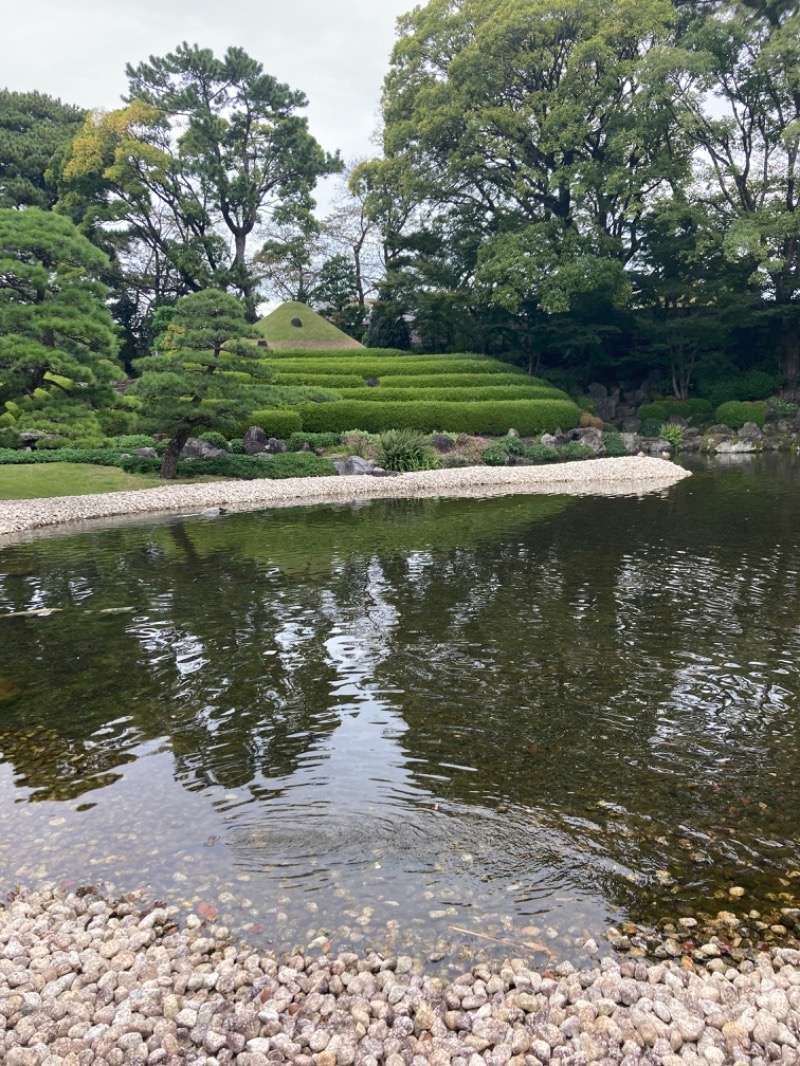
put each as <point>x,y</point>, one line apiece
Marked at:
<point>146,453</point>
<point>726,446</point>
<point>255,441</point>
<point>591,437</point>
<point>353,464</point>
<point>442,444</point>
<point>275,446</point>
<point>200,449</point>
<point>632,424</point>
<point>750,431</point>
<point>513,433</point>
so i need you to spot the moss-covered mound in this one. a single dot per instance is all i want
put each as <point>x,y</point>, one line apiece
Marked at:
<point>279,329</point>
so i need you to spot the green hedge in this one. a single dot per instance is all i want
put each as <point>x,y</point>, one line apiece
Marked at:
<point>335,355</point>
<point>323,381</point>
<point>374,368</point>
<point>462,381</point>
<point>661,410</point>
<point>492,418</point>
<point>98,456</point>
<point>455,394</point>
<point>280,422</point>
<point>735,413</point>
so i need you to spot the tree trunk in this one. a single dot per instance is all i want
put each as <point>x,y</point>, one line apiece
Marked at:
<point>169,467</point>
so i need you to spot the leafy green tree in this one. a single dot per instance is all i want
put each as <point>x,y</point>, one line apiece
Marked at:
<point>35,130</point>
<point>747,56</point>
<point>336,296</point>
<point>206,150</point>
<point>534,135</point>
<point>58,344</point>
<point>207,374</point>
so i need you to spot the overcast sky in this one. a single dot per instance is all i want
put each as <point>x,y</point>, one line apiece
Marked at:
<point>335,51</point>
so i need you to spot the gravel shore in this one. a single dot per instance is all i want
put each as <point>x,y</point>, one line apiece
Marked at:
<point>89,981</point>
<point>629,474</point>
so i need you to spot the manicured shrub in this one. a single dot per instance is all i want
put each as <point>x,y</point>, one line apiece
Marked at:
<point>468,381</point>
<point>216,440</point>
<point>405,450</point>
<point>454,394</point>
<point>530,417</point>
<point>650,427</point>
<point>661,410</point>
<point>588,421</point>
<point>240,467</point>
<point>314,440</point>
<point>735,413</point>
<point>376,368</point>
<point>9,438</point>
<point>747,385</point>
<point>132,440</point>
<point>280,422</point>
<point>614,444</point>
<point>540,453</point>
<point>323,381</point>
<point>495,455</point>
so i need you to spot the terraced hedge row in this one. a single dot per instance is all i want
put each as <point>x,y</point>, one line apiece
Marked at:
<point>492,418</point>
<point>376,368</point>
<point>453,394</point>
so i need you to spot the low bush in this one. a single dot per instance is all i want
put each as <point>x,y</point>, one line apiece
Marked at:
<point>500,451</point>
<point>375,367</point>
<point>735,413</point>
<point>588,421</point>
<point>747,385</point>
<point>279,422</point>
<point>614,444</point>
<point>405,450</point>
<point>453,394</point>
<point>467,381</point>
<point>650,427</point>
<point>324,381</point>
<point>672,433</point>
<point>661,410</point>
<point>236,446</point>
<point>216,440</point>
<point>9,438</point>
<point>314,440</point>
<point>530,417</point>
<point>132,440</point>
<point>240,467</point>
<point>573,449</point>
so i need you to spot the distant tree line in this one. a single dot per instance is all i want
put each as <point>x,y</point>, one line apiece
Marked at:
<point>594,189</point>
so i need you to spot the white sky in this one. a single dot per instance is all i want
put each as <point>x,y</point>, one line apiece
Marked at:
<point>335,51</point>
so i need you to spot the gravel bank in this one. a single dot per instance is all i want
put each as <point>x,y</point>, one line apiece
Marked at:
<point>626,475</point>
<point>86,981</point>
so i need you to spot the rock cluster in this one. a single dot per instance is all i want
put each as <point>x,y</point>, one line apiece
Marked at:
<point>87,981</point>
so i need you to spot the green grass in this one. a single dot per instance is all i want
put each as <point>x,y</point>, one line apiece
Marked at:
<point>315,332</point>
<point>68,479</point>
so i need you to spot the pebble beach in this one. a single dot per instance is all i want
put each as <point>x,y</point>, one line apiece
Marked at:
<point>90,981</point>
<point>629,474</point>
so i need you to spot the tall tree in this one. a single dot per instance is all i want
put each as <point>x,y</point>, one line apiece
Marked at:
<point>207,373</point>
<point>35,130</point>
<point>541,131</point>
<point>746,56</point>
<point>58,345</point>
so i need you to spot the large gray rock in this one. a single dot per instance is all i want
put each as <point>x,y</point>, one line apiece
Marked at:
<point>353,464</point>
<point>632,424</point>
<point>256,442</point>
<point>442,444</point>
<point>591,437</point>
<point>146,453</point>
<point>750,431</point>
<point>200,449</point>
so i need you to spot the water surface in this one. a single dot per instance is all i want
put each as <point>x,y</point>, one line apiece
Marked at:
<point>436,726</point>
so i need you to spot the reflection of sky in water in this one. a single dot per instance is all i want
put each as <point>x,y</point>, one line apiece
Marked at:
<point>508,726</point>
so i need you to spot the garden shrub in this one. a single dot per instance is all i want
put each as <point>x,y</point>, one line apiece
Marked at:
<point>672,433</point>
<point>323,381</point>
<point>240,467</point>
<point>495,455</point>
<point>236,446</point>
<point>747,385</point>
<point>132,440</point>
<point>453,394</point>
<point>735,413</point>
<point>9,438</point>
<point>614,444</point>
<point>573,449</point>
<point>279,422</point>
<point>467,381</point>
<point>530,417</point>
<point>314,440</point>
<point>540,453</point>
<point>405,450</point>
<point>588,420</point>
<point>661,410</point>
<point>650,427</point>
<point>215,439</point>
<point>376,368</point>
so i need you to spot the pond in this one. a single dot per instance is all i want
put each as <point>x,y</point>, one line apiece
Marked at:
<point>448,728</point>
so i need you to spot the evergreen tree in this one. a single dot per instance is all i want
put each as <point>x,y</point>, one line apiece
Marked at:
<point>207,374</point>
<point>58,345</point>
<point>35,129</point>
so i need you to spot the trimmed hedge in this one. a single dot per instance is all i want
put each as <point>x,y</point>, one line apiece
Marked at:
<point>98,456</point>
<point>530,417</point>
<point>459,381</point>
<point>374,368</point>
<point>279,422</point>
<point>456,394</point>
<point>322,381</point>
<point>735,413</point>
<point>660,410</point>
<point>334,355</point>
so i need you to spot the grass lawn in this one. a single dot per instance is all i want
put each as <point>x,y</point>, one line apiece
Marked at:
<point>69,479</point>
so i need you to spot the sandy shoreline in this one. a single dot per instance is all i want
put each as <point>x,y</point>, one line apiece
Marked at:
<point>627,475</point>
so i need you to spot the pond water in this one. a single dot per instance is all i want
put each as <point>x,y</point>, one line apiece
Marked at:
<point>436,727</point>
